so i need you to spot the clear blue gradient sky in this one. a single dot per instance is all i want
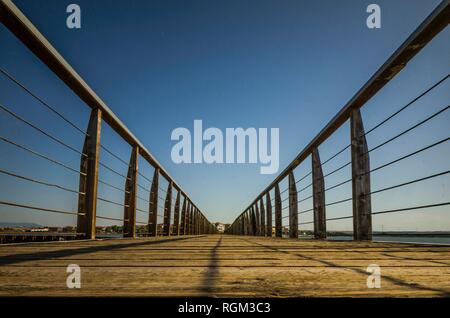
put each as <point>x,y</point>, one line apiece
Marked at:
<point>232,63</point>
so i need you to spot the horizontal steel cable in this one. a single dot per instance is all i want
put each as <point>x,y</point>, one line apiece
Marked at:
<point>408,104</point>
<point>387,211</point>
<point>38,208</point>
<point>113,170</point>
<point>57,140</point>
<point>40,100</point>
<point>40,155</point>
<point>112,202</point>
<point>112,186</point>
<point>53,185</point>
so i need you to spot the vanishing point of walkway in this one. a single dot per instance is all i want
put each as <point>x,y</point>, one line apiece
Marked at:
<point>224,265</point>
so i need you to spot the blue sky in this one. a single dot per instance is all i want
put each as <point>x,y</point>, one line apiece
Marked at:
<point>285,64</point>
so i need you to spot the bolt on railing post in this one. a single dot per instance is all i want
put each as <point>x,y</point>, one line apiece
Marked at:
<point>293,207</point>
<point>88,184</point>
<point>263,215</point>
<point>269,214</point>
<point>167,210</point>
<point>176,216</point>
<point>129,215</point>
<point>153,205</point>
<point>362,208</point>
<point>320,223</point>
<point>183,217</point>
<point>278,226</point>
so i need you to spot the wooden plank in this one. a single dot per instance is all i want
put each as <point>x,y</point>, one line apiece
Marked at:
<point>129,210</point>
<point>88,184</point>
<point>320,223</point>
<point>278,210</point>
<point>153,205</point>
<point>269,215</point>
<point>183,217</point>
<point>215,265</point>
<point>263,217</point>
<point>176,216</point>
<point>293,207</point>
<point>167,210</point>
<point>362,207</point>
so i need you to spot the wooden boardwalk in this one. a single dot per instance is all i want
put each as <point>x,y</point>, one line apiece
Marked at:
<point>223,266</point>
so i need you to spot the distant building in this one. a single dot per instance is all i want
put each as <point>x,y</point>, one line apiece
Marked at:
<point>220,227</point>
<point>44,229</point>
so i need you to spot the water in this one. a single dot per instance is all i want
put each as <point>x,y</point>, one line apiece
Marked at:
<point>404,239</point>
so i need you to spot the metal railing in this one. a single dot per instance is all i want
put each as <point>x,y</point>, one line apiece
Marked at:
<point>257,217</point>
<point>188,219</point>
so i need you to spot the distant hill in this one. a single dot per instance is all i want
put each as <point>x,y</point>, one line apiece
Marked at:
<point>19,225</point>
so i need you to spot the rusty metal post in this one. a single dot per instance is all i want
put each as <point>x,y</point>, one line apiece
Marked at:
<point>320,223</point>
<point>293,207</point>
<point>278,226</point>
<point>269,215</point>
<point>183,217</point>
<point>88,185</point>
<point>362,207</point>
<point>129,211</point>
<point>153,205</point>
<point>176,216</point>
<point>263,215</point>
<point>167,210</point>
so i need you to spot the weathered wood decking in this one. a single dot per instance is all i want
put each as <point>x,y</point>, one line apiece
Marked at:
<point>223,266</point>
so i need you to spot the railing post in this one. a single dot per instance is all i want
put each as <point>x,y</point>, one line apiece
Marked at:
<point>87,199</point>
<point>278,226</point>
<point>320,223</point>
<point>153,205</point>
<point>196,218</point>
<point>293,207</point>
<point>129,215</point>
<point>191,220</point>
<point>257,219</point>
<point>188,217</point>
<point>269,214</point>
<point>263,215</point>
<point>248,221</point>
<point>183,217</point>
<point>244,225</point>
<point>362,208</point>
<point>167,210</point>
<point>176,216</point>
<point>253,218</point>
<point>191,224</point>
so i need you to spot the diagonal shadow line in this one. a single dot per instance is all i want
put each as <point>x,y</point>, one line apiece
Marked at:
<point>19,258</point>
<point>211,275</point>
<point>393,280</point>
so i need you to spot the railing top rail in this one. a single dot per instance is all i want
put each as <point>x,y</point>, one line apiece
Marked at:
<point>430,27</point>
<point>19,24</point>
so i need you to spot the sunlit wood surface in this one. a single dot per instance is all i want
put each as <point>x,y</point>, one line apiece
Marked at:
<point>224,266</point>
